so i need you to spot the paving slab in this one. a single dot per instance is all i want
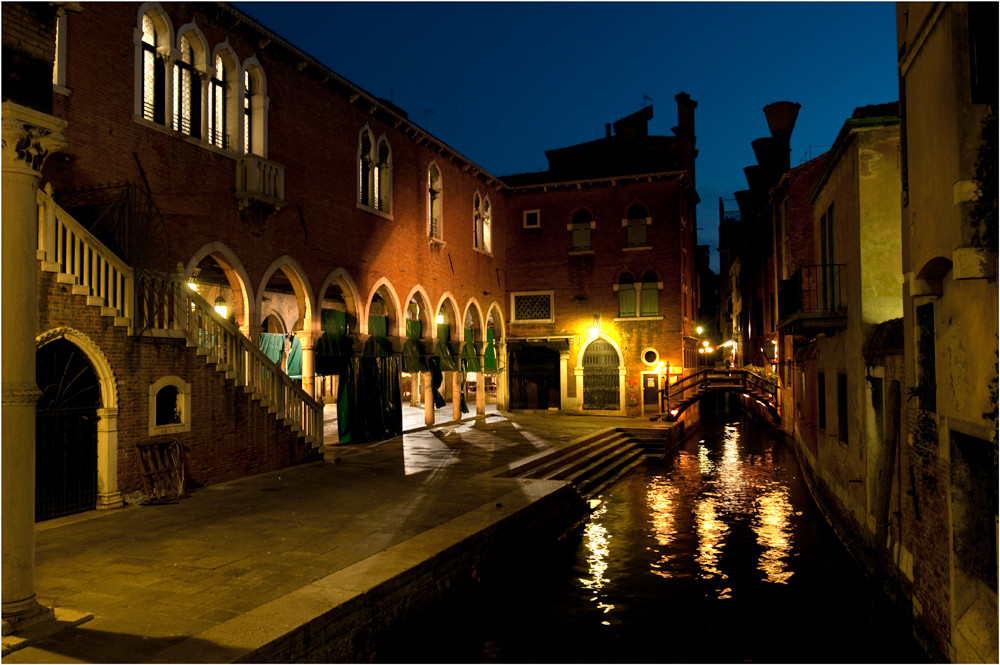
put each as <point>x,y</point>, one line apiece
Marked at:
<point>158,577</point>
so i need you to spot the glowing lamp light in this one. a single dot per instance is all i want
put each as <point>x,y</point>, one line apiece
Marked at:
<point>700,329</point>
<point>701,350</point>
<point>191,285</point>
<point>704,343</point>
<point>709,349</point>
<point>674,412</point>
<point>221,307</point>
<point>439,319</point>
<point>594,332</point>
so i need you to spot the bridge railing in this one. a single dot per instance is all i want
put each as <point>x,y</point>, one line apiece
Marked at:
<point>693,384</point>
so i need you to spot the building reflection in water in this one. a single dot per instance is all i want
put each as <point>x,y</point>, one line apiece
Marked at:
<point>708,494</point>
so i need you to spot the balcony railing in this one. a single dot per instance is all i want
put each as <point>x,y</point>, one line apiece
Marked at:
<point>259,179</point>
<point>812,300</point>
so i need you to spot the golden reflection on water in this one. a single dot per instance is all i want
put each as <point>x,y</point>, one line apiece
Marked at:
<point>774,533</point>
<point>718,492</point>
<point>596,539</point>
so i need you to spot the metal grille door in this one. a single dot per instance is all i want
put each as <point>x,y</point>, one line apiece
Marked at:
<point>601,377</point>
<point>65,432</point>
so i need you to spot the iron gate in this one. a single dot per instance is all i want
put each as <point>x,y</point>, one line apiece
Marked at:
<point>65,432</point>
<point>601,377</point>
<point>534,378</point>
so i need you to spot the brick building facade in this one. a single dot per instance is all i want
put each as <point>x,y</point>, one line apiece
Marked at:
<point>233,239</point>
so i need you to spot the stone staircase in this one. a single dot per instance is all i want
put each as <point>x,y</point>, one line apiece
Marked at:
<point>166,308</point>
<point>594,462</point>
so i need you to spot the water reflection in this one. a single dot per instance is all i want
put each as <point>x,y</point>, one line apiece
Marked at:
<point>595,539</point>
<point>713,493</point>
<point>774,534</point>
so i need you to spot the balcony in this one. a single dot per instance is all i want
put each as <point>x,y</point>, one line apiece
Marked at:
<point>812,301</point>
<point>259,181</point>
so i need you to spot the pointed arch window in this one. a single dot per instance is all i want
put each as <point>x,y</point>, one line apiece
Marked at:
<point>187,92</point>
<point>434,203</point>
<point>153,73</point>
<point>366,163</point>
<point>626,295</point>
<point>382,177</point>
<point>217,105</point>
<point>637,218</point>
<point>581,225</point>
<point>649,295</point>
<point>487,226</point>
<point>477,221</point>
<point>247,112</point>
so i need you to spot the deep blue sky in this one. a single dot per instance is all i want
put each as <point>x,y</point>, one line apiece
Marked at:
<point>503,82</point>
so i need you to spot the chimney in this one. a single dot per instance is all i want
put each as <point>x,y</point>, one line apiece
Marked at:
<point>781,121</point>
<point>781,118</point>
<point>685,115</point>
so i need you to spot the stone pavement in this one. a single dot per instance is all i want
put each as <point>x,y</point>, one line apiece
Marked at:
<point>154,576</point>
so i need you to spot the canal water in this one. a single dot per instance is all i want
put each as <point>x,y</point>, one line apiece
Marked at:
<point>716,556</point>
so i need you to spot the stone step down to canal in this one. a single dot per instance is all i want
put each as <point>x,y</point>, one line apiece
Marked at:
<point>593,462</point>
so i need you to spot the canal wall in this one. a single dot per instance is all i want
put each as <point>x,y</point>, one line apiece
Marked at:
<point>882,573</point>
<point>345,616</point>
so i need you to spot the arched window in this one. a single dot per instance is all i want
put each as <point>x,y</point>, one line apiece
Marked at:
<point>650,295</point>
<point>636,221</point>
<point>366,163</point>
<point>626,295</point>
<point>434,202</point>
<point>487,226</point>
<point>187,92</point>
<point>581,225</point>
<point>153,72</point>
<point>382,177</point>
<point>247,112</point>
<point>217,105</point>
<point>477,221</point>
<point>255,103</point>
<point>169,406</point>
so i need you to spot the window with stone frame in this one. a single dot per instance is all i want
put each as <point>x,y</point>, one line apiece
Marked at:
<point>532,306</point>
<point>434,191</point>
<point>581,226</point>
<point>636,220</point>
<point>153,69</point>
<point>187,91</point>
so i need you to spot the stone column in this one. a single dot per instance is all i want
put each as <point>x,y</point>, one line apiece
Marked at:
<point>28,138</point>
<point>309,339</point>
<point>428,399</point>
<point>108,496</point>
<point>456,394</point>
<point>480,392</point>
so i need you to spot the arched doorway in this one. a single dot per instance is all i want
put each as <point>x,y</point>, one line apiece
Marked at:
<point>601,377</point>
<point>66,431</point>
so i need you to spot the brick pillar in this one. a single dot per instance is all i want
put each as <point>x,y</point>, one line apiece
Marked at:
<point>28,138</point>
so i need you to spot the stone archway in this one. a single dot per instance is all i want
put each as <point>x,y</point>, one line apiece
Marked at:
<point>106,412</point>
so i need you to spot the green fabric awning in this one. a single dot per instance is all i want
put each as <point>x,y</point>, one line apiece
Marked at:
<point>413,360</point>
<point>333,348</point>
<point>377,345</point>
<point>293,367</point>
<point>470,359</point>
<point>272,344</point>
<point>442,351</point>
<point>489,354</point>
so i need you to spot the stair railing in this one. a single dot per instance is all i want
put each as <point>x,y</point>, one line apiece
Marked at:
<point>169,308</point>
<point>65,245</point>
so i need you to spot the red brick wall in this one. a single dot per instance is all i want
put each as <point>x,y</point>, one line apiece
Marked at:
<point>313,131</point>
<point>231,435</point>
<point>540,260</point>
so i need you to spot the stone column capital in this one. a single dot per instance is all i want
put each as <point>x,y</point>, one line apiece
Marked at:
<point>308,337</point>
<point>29,137</point>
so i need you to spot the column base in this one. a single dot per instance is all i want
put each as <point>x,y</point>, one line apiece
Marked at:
<point>110,501</point>
<point>23,614</point>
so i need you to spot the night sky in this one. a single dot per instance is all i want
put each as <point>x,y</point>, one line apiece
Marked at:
<point>503,82</point>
